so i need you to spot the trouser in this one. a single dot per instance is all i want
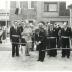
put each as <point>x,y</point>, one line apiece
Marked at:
<point>32,49</point>
<point>23,50</point>
<point>59,42</point>
<point>48,45</point>
<point>15,49</point>
<point>41,55</point>
<point>32,46</point>
<point>27,49</point>
<point>65,44</point>
<point>37,47</point>
<point>0,39</point>
<point>52,52</point>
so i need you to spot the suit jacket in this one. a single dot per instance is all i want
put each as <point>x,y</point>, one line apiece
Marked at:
<point>14,34</point>
<point>55,32</point>
<point>42,38</point>
<point>66,32</point>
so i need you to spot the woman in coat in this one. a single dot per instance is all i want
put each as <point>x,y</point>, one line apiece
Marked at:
<point>26,39</point>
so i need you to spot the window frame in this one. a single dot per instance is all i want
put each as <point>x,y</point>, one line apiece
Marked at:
<point>48,6</point>
<point>30,5</point>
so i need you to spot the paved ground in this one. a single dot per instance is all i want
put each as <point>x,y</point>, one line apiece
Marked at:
<point>5,45</point>
<point>28,63</point>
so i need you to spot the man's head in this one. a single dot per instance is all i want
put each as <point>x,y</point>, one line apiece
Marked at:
<point>16,23</point>
<point>22,22</point>
<point>51,26</point>
<point>55,25</point>
<point>31,25</point>
<point>12,24</point>
<point>48,24</point>
<point>41,24</point>
<point>65,25</point>
<point>58,25</point>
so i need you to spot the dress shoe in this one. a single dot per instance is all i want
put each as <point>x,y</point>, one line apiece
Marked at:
<point>63,56</point>
<point>12,55</point>
<point>41,60</point>
<point>38,60</point>
<point>17,55</point>
<point>68,57</point>
<point>27,55</point>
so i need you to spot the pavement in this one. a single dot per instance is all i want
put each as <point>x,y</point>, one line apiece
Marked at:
<point>30,63</point>
<point>5,45</point>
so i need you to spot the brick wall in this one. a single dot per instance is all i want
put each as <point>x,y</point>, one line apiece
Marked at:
<point>71,18</point>
<point>37,13</point>
<point>25,12</point>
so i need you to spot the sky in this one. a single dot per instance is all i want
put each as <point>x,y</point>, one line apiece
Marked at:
<point>5,4</point>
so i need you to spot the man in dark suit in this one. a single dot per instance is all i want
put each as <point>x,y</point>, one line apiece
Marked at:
<point>58,37</point>
<point>65,35</point>
<point>41,41</point>
<point>36,39</point>
<point>20,28</point>
<point>51,40</point>
<point>14,37</point>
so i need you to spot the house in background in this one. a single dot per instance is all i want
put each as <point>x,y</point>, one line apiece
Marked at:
<point>23,10</point>
<point>53,12</point>
<point>4,18</point>
<point>70,7</point>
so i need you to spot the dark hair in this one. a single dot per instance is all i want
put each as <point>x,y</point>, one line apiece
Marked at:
<point>47,22</point>
<point>42,22</point>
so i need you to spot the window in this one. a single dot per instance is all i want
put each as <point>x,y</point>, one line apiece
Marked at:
<point>52,7</point>
<point>18,9</point>
<point>17,4</point>
<point>30,4</point>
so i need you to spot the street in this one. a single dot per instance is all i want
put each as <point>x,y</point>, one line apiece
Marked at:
<point>30,62</point>
<point>7,63</point>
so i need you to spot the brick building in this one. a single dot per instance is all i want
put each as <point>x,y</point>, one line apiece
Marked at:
<point>4,18</point>
<point>26,13</point>
<point>70,7</point>
<point>54,12</point>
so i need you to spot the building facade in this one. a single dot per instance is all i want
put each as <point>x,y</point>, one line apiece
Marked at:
<point>4,18</point>
<point>25,12</point>
<point>70,7</point>
<point>53,12</point>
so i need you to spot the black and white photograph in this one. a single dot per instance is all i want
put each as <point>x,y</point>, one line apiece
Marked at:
<point>35,35</point>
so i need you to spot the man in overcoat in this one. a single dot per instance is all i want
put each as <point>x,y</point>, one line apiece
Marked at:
<point>65,35</point>
<point>14,37</point>
<point>41,41</point>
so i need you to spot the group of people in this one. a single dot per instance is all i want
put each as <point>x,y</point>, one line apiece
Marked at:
<point>47,38</point>
<point>20,36</point>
